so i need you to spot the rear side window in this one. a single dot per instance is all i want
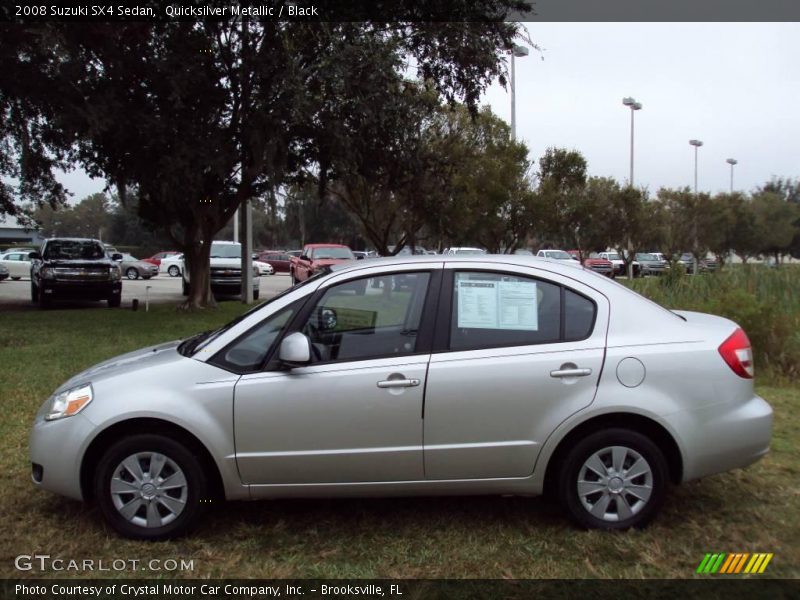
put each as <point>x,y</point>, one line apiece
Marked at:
<point>491,310</point>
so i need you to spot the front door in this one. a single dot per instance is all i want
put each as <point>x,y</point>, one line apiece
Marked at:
<point>355,413</point>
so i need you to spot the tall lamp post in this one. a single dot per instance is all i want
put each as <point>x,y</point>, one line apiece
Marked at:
<point>634,106</point>
<point>516,52</point>
<point>696,144</point>
<point>731,162</point>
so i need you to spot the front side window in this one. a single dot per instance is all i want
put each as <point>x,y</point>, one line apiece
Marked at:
<point>368,318</point>
<point>248,352</point>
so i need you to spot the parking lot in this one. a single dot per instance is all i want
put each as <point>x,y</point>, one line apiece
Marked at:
<point>163,289</point>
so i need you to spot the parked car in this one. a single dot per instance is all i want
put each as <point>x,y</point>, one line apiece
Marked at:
<point>3,272</point>
<point>490,375</point>
<point>599,265</point>
<point>172,265</point>
<point>280,260</point>
<point>463,251</point>
<point>226,270</point>
<point>619,264</point>
<point>650,264</point>
<point>557,255</point>
<point>703,265</point>
<point>264,268</point>
<point>315,257</point>
<point>76,269</point>
<point>17,264</point>
<point>157,258</point>
<point>523,252</point>
<point>133,268</point>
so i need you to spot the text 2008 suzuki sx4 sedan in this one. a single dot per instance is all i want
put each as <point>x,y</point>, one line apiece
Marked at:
<point>462,375</point>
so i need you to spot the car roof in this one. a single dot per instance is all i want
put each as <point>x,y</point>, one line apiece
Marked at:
<point>325,246</point>
<point>74,239</point>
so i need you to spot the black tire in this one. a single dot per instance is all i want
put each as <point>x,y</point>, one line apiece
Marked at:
<point>184,287</point>
<point>193,496</point>
<point>574,463</point>
<point>16,278</point>
<point>174,271</point>
<point>34,293</point>
<point>132,273</point>
<point>255,294</point>
<point>114,301</point>
<point>43,299</point>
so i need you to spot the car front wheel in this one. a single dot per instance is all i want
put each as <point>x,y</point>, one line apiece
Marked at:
<point>613,479</point>
<point>132,273</point>
<point>150,487</point>
<point>174,271</point>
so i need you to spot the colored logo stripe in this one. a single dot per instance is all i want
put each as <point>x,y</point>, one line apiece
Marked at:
<point>733,563</point>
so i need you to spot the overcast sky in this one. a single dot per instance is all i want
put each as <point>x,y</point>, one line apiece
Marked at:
<point>735,86</point>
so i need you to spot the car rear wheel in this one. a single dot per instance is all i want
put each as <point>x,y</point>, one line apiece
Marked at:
<point>34,293</point>
<point>174,271</point>
<point>255,294</point>
<point>114,301</point>
<point>150,487</point>
<point>132,273</point>
<point>16,278</point>
<point>613,479</point>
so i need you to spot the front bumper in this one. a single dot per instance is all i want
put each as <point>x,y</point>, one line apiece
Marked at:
<point>81,290</point>
<point>56,451</point>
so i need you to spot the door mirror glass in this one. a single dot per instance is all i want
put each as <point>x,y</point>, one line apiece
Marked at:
<point>116,256</point>
<point>295,350</point>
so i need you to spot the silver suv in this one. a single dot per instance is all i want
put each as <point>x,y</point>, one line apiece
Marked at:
<point>226,270</point>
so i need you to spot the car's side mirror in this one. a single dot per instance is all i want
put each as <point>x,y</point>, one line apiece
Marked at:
<point>295,350</point>
<point>34,256</point>
<point>116,256</point>
<point>359,257</point>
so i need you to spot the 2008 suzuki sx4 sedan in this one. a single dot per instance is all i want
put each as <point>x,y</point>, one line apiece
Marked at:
<point>413,376</point>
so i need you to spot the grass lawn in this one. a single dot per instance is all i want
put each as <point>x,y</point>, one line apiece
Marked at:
<point>753,510</point>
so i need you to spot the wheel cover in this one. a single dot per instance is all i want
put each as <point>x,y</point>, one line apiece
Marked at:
<point>615,483</point>
<point>132,273</point>
<point>149,489</point>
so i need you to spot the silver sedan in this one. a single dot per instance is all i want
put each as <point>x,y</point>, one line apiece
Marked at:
<point>413,375</point>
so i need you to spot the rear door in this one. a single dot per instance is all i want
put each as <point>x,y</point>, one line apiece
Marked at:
<point>514,356</point>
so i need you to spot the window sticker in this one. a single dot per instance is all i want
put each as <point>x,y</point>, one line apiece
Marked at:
<point>490,304</point>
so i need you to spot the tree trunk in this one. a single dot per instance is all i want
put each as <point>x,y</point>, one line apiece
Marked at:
<point>198,263</point>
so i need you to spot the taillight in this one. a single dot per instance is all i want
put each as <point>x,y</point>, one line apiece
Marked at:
<point>737,352</point>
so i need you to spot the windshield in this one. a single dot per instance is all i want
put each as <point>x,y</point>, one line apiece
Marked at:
<point>559,254</point>
<point>128,257</point>
<point>322,253</point>
<point>73,249</point>
<point>613,256</point>
<point>226,250</point>
<point>470,251</point>
<point>642,256</point>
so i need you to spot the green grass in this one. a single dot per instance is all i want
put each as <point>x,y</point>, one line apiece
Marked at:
<point>753,510</point>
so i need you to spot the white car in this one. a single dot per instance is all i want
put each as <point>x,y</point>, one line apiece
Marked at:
<point>18,264</point>
<point>171,265</point>
<point>558,255</point>
<point>463,251</point>
<point>263,268</point>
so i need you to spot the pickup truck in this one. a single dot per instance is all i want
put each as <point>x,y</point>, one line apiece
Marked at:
<point>596,264</point>
<point>315,257</point>
<point>225,270</point>
<point>75,269</point>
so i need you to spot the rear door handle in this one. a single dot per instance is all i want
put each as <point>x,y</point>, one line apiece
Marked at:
<point>398,383</point>
<point>570,373</point>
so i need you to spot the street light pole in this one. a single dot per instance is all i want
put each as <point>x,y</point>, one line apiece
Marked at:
<point>731,162</point>
<point>696,144</point>
<point>516,52</point>
<point>634,106</point>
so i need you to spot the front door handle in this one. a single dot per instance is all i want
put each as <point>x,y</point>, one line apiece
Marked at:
<point>398,383</point>
<point>571,372</point>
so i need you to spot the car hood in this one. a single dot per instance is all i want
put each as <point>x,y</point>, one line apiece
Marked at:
<point>126,363</point>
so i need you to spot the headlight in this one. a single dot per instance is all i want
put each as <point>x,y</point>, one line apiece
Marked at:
<point>116,274</point>
<point>47,273</point>
<point>69,402</point>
